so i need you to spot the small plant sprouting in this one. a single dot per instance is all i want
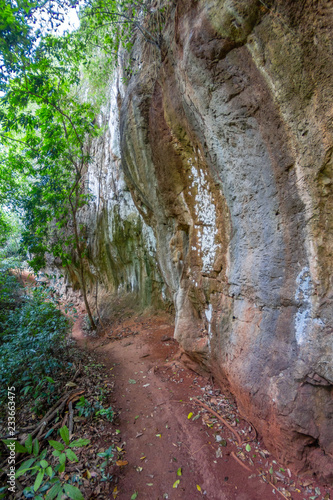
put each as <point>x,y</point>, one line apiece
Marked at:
<point>43,473</point>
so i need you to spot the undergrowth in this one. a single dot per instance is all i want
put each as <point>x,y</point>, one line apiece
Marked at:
<point>32,341</point>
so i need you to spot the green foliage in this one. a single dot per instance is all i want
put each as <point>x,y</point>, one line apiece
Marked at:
<point>32,343</point>
<point>44,474</point>
<point>88,409</point>
<point>10,291</point>
<point>45,125</point>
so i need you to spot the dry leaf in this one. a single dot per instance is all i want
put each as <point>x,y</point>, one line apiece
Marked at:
<point>121,463</point>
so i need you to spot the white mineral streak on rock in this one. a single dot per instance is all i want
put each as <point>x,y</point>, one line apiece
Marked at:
<point>303,298</point>
<point>209,315</point>
<point>206,218</point>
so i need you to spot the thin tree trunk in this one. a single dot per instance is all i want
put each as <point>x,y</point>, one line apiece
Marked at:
<point>82,278</point>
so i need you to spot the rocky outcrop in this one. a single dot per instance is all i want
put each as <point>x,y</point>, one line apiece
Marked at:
<point>213,188</point>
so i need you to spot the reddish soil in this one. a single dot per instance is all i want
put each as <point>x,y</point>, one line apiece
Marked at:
<point>152,393</point>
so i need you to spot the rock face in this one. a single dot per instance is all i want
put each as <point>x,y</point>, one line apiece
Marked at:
<point>214,190</point>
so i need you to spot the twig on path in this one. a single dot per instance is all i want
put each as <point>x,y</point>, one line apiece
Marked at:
<point>220,418</point>
<point>240,462</point>
<point>275,488</point>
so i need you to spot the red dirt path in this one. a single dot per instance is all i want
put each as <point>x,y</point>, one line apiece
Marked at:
<point>154,424</point>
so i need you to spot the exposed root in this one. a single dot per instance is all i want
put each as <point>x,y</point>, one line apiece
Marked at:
<point>220,418</point>
<point>240,462</point>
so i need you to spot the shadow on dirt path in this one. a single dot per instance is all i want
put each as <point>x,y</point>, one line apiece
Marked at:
<point>152,394</point>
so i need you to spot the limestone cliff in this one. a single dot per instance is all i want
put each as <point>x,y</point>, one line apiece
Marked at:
<point>213,189</point>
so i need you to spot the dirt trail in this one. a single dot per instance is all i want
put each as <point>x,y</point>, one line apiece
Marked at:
<point>152,394</point>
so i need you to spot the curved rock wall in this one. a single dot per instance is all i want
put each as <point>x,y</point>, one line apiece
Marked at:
<point>225,142</point>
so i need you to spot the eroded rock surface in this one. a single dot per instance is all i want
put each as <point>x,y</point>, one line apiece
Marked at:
<point>213,189</point>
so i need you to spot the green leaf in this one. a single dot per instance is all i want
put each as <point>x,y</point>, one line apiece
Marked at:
<point>53,492</point>
<point>61,467</point>
<point>18,446</point>
<point>179,471</point>
<point>175,484</point>
<point>36,447</point>
<point>64,433</point>
<point>73,492</point>
<point>271,470</point>
<point>38,480</point>
<point>56,445</point>
<point>79,442</point>
<point>132,381</point>
<point>190,415</point>
<point>135,494</point>
<point>24,467</point>
<point>248,447</point>
<point>43,463</point>
<point>49,379</point>
<point>71,456</point>
<point>62,458</point>
<point>28,443</point>
<point>49,471</point>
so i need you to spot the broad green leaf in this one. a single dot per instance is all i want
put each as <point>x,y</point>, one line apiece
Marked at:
<point>56,445</point>
<point>43,463</point>
<point>73,492</point>
<point>19,448</point>
<point>64,433</point>
<point>62,458</point>
<point>61,467</point>
<point>79,442</point>
<point>71,456</point>
<point>179,471</point>
<point>38,480</point>
<point>24,467</point>
<point>49,471</point>
<point>36,447</point>
<point>175,484</point>
<point>134,496</point>
<point>53,492</point>
<point>248,447</point>
<point>28,443</point>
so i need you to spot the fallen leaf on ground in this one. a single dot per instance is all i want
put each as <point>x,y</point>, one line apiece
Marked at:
<point>135,494</point>
<point>121,463</point>
<point>179,471</point>
<point>190,415</point>
<point>175,484</point>
<point>198,488</point>
<point>132,381</point>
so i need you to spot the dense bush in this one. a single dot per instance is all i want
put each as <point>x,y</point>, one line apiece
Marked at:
<point>32,341</point>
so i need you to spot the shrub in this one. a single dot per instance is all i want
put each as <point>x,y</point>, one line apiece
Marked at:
<point>32,345</point>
